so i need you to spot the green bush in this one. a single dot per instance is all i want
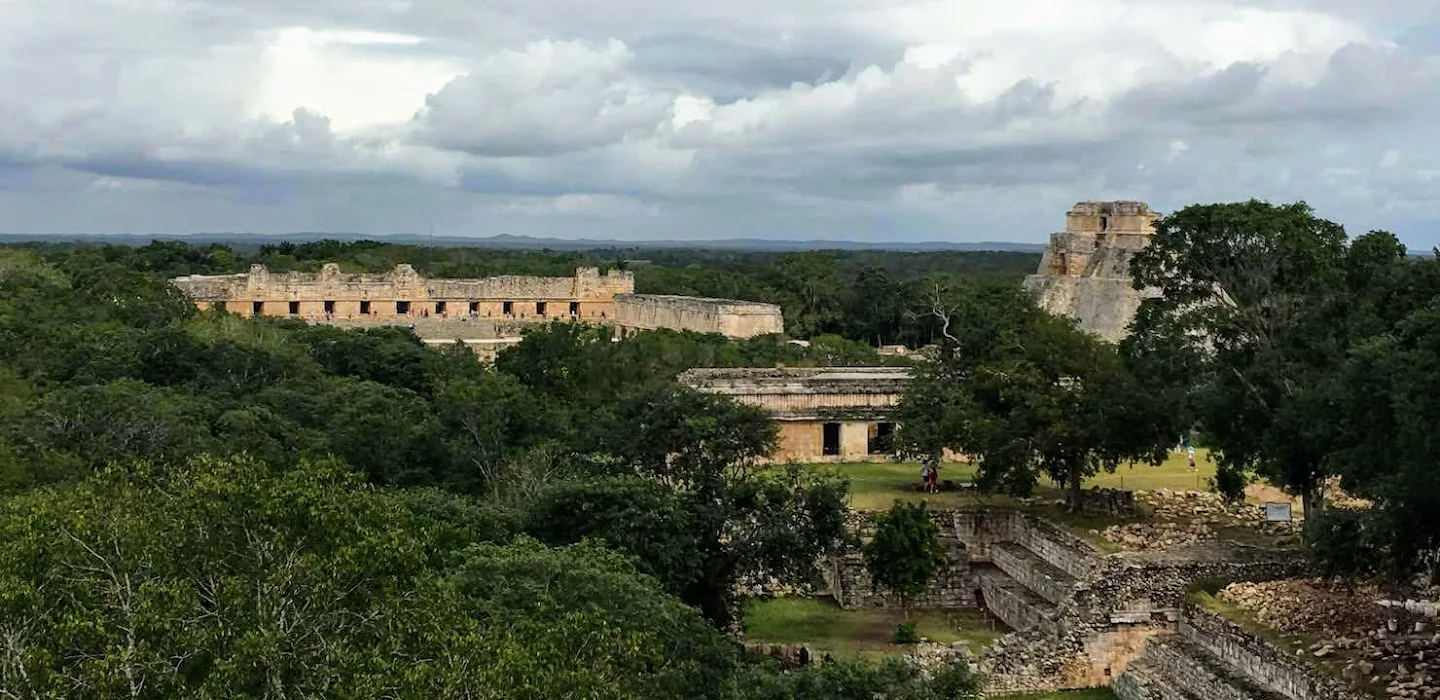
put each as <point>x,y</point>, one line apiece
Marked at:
<point>1230,483</point>
<point>905,633</point>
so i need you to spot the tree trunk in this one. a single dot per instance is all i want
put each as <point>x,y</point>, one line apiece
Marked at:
<point>1310,500</point>
<point>1075,492</point>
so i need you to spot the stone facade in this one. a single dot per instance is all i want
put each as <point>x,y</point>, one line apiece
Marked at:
<point>1212,657</point>
<point>330,294</point>
<point>728,317</point>
<point>826,414</point>
<point>1085,271</point>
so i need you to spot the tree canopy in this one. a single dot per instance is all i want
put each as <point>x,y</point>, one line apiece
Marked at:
<point>1027,395</point>
<point>194,504</point>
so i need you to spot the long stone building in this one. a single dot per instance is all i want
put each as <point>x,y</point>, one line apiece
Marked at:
<point>331,294</point>
<point>1085,272</point>
<point>826,414</point>
<point>402,295</point>
<point>728,317</point>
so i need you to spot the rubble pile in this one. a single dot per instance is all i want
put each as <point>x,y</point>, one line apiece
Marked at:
<point>1157,535</point>
<point>1390,647</point>
<point>1183,518</point>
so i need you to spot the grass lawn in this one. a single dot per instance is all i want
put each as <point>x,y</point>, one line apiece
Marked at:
<point>1088,694</point>
<point>825,626</point>
<point>874,486</point>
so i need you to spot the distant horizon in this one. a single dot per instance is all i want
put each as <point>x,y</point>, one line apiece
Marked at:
<point>537,242</point>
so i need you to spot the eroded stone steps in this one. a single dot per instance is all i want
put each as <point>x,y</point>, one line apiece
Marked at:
<point>1036,574</point>
<point>1141,681</point>
<point>1013,603</point>
<point>1189,668</point>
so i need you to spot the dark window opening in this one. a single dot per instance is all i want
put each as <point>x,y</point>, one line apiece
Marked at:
<point>329,307</point>
<point>539,308</point>
<point>364,307</point>
<point>257,308</point>
<point>882,437</point>
<point>439,308</point>
<point>574,308</point>
<point>217,306</point>
<point>402,307</point>
<point>507,308</point>
<point>294,308</point>
<point>830,439</point>
<point>474,308</point>
<point>1104,223</point>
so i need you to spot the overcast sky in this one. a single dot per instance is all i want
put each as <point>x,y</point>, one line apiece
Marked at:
<point>958,120</point>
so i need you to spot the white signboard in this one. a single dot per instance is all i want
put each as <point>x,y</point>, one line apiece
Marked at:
<point>1277,512</point>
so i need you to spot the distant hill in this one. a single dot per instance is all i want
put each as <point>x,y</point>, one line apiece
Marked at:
<point>529,243</point>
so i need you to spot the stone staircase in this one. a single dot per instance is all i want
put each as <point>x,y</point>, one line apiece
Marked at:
<point>1020,608</point>
<point>1031,571</point>
<point>1175,668</point>
<point>1019,570</point>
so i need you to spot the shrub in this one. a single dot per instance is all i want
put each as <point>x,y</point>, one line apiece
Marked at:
<point>905,633</point>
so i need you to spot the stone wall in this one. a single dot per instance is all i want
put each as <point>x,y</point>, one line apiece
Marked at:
<point>331,294</point>
<point>1116,603</point>
<point>849,583</point>
<point>1213,657</point>
<point>1104,501</point>
<point>978,530</point>
<point>1146,587</point>
<point>1038,576</point>
<point>1256,658</point>
<point>1012,604</point>
<point>728,317</point>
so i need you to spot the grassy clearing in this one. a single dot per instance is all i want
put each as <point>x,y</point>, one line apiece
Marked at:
<point>874,486</point>
<point>826,627</point>
<point>1087,694</point>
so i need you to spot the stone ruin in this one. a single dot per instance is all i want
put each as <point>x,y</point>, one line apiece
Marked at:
<point>470,310</point>
<point>1085,272</point>
<point>1079,617</point>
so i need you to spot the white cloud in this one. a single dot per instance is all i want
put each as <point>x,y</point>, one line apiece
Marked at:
<point>340,73</point>
<point>548,98</point>
<point>848,118</point>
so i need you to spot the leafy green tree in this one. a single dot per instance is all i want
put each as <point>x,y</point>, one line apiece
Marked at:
<point>389,434</point>
<point>1384,405</point>
<point>1026,394</point>
<point>1252,319</point>
<point>905,554</point>
<point>222,579</point>
<point>810,291</point>
<point>492,419</point>
<point>748,521</point>
<point>75,430</point>
<point>388,355</point>
<point>634,515</point>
